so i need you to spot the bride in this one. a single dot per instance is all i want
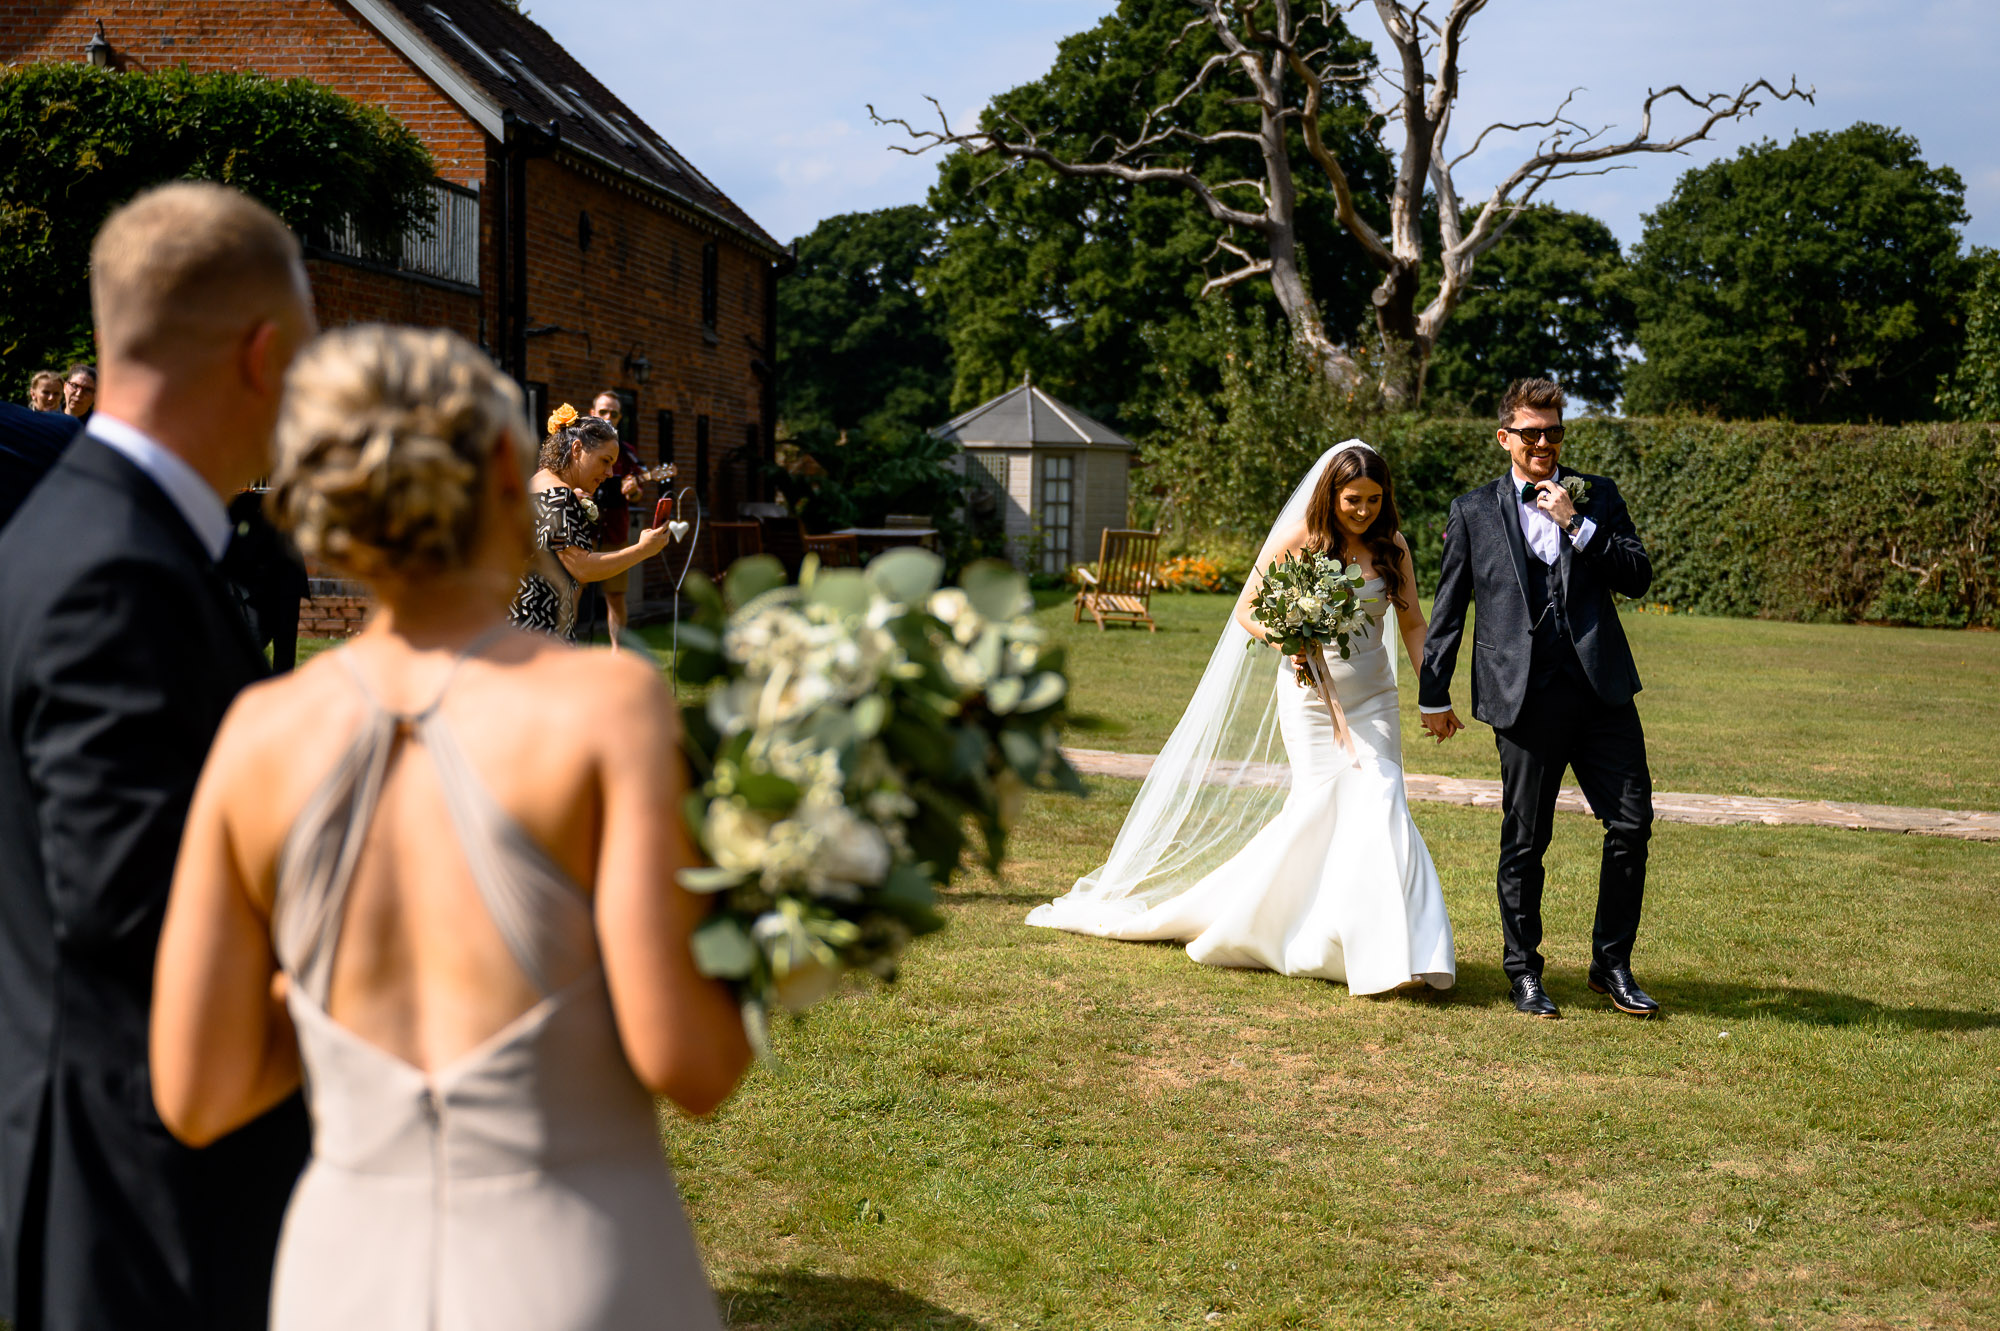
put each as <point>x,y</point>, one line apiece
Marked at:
<point>1317,870</point>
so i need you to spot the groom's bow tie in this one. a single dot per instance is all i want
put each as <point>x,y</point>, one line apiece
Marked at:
<point>1530,490</point>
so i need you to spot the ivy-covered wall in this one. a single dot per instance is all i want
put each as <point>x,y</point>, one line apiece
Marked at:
<point>75,142</point>
<point>1832,523</point>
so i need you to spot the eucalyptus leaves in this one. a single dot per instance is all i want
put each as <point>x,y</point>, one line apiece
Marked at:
<point>1307,602</point>
<point>858,721</point>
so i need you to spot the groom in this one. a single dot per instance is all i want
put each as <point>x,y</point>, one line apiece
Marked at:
<point>1542,550</point>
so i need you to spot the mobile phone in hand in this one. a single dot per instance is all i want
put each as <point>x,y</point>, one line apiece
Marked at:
<point>662,511</point>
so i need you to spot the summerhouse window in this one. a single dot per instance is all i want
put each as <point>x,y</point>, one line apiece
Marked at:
<point>1058,508</point>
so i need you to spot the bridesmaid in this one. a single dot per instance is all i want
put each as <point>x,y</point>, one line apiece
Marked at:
<point>577,456</point>
<point>422,872</point>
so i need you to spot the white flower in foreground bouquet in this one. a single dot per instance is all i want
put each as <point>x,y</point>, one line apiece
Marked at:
<point>858,722</point>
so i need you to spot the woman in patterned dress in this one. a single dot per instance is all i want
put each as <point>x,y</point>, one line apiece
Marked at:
<point>577,455</point>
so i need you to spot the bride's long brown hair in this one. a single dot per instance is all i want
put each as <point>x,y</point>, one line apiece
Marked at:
<point>1324,533</point>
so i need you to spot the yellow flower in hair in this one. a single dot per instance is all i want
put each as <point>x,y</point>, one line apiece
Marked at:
<point>561,416</point>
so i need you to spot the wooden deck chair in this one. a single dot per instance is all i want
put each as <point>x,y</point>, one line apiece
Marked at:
<point>1122,587</point>
<point>835,551</point>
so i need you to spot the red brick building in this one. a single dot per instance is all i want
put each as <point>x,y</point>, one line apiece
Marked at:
<point>571,240</point>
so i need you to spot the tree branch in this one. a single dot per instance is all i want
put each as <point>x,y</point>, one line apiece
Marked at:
<point>981,143</point>
<point>1548,163</point>
<point>1252,266</point>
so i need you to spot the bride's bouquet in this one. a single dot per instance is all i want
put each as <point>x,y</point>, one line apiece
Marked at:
<point>858,722</point>
<point>1308,602</point>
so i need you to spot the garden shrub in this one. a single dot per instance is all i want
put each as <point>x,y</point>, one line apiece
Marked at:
<point>1837,523</point>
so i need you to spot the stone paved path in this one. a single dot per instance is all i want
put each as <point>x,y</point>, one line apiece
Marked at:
<point>1713,810</point>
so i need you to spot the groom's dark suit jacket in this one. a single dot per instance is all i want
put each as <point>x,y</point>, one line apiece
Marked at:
<point>120,649</point>
<point>1486,560</point>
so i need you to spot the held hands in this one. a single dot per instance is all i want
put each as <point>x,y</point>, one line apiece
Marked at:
<point>1443,725</point>
<point>1556,503</point>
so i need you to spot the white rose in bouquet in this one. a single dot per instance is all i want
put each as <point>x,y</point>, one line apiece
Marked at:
<point>858,723</point>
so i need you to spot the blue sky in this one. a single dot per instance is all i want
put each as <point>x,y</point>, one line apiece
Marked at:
<point>769,99</point>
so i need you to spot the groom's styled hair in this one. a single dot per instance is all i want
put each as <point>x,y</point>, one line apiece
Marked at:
<point>1534,394</point>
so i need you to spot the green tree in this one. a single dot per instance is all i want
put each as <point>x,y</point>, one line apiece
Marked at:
<point>1059,275</point>
<point>1263,84</point>
<point>861,340</point>
<point>1817,281</point>
<point>1972,393</point>
<point>1549,300</point>
<point>75,142</point>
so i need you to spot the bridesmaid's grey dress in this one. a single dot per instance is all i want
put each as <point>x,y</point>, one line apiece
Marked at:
<point>523,1185</point>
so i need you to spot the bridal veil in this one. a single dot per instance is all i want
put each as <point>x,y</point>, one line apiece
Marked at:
<point>1222,776</point>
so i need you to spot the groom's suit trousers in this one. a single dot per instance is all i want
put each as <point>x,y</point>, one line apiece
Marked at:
<point>1565,725</point>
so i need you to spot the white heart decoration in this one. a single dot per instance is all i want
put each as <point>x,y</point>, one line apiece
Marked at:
<point>678,528</point>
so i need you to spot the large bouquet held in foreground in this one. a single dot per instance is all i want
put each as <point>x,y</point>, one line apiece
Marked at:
<point>1308,602</point>
<point>858,723</point>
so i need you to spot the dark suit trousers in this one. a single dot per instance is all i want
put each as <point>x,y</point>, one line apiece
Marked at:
<point>1564,725</point>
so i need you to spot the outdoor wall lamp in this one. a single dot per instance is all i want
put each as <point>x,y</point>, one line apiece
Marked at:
<point>637,365</point>
<point>98,50</point>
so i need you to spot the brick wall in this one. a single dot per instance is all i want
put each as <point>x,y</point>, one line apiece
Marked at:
<point>349,294</point>
<point>332,616</point>
<point>322,40</point>
<point>636,287</point>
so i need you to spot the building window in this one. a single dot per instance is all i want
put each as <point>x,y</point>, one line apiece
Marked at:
<point>537,394</point>
<point>710,287</point>
<point>990,470</point>
<point>701,457</point>
<point>628,417</point>
<point>1058,508</point>
<point>666,423</point>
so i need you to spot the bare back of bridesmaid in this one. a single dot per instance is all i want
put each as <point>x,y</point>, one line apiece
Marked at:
<point>422,869</point>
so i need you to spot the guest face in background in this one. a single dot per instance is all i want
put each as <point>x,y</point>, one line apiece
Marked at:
<point>590,468</point>
<point>45,391</point>
<point>80,391</point>
<point>606,408</point>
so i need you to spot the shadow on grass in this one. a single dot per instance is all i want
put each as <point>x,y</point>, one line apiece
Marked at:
<point>783,1300</point>
<point>1484,984</point>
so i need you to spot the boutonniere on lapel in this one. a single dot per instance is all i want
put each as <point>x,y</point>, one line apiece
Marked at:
<point>1578,487</point>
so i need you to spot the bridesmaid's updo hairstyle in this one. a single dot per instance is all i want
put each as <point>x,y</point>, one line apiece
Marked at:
<point>384,446</point>
<point>571,436</point>
<point>1323,528</point>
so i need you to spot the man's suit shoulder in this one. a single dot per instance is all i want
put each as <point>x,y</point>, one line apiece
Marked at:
<point>78,534</point>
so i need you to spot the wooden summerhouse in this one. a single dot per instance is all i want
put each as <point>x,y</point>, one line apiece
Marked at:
<point>1059,477</point>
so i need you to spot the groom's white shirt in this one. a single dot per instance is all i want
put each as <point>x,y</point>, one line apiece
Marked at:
<point>1544,538</point>
<point>1539,530</point>
<point>190,495</point>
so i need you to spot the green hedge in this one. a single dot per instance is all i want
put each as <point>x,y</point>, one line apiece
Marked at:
<point>1830,523</point>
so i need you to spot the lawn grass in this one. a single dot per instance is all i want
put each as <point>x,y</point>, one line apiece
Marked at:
<point>1033,1129</point>
<point>1731,706</point>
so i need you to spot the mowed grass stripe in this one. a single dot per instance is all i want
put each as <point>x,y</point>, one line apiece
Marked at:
<point>1042,1130</point>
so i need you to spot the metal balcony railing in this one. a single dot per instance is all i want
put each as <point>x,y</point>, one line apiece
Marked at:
<point>450,250</point>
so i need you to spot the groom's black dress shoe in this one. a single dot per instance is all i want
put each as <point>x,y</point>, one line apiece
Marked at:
<point>1531,998</point>
<point>1626,995</point>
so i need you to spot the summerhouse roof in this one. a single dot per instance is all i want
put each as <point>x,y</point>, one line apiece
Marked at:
<point>1026,417</point>
<point>491,60</point>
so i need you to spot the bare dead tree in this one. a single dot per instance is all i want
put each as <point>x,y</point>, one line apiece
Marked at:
<point>1282,59</point>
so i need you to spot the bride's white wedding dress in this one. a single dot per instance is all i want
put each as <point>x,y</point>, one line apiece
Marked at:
<point>1335,884</point>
